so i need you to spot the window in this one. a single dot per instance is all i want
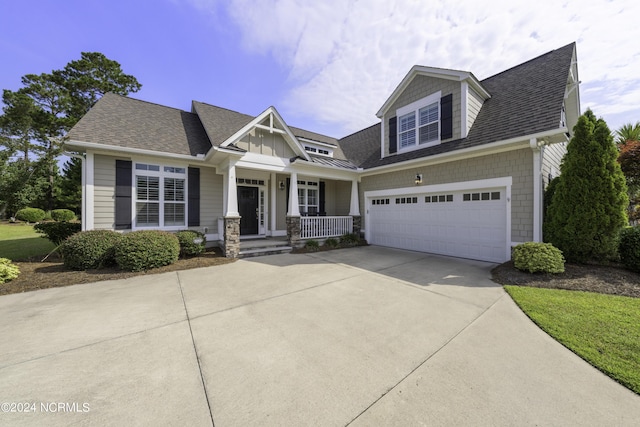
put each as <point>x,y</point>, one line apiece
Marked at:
<point>406,200</point>
<point>419,123</point>
<point>160,196</point>
<point>380,202</point>
<point>308,197</point>
<point>495,195</point>
<point>439,199</point>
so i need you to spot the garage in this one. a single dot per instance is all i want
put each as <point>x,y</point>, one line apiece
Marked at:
<point>468,223</point>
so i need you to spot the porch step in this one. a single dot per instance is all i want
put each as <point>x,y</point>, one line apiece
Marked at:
<point>274,250</point>
<point>260,247</point>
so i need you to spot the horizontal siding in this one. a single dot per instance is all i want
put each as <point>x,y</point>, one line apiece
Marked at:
<point>104,180</point>
<point>210,200</point>
<point>551,160</point>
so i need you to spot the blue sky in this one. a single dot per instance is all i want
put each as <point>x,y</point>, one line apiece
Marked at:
<point>326,66</point>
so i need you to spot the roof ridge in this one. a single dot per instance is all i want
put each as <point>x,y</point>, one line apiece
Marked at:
<point>223,108</point>
<point>145,101</point>
<point>528,61</point>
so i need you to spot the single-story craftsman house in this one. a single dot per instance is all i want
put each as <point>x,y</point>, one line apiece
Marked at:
<point>455,166</point>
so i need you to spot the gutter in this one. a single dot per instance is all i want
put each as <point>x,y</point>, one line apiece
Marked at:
<point>485,149</point>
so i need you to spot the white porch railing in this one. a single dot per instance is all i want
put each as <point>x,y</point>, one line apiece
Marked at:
<point>314,227</point>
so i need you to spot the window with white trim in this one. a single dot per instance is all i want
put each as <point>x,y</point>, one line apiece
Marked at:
<point>160,196</point>
<point>308,197</point>
<point>419,123</point>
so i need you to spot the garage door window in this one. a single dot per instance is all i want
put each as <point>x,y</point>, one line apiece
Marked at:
<point>471,197</point>
<point>406,200</point>
<point>441,198</point>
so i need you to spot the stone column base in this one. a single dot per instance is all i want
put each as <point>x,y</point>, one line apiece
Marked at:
<point>231,243</point>
<point>293,231</point>
<point>357,224</point>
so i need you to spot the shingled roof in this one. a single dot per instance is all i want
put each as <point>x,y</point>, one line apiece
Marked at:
<point>525,100</point>
<point>129,123</point>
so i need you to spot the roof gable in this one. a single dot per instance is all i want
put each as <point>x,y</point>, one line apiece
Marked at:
<point>439,73</point>
<point>125,122</point>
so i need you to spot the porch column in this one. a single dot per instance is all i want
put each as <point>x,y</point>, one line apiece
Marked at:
<point>354,210</point>
<point>293,209</point>
<point>272,205</point>
<point>231,243</point>
<point>293,212</point>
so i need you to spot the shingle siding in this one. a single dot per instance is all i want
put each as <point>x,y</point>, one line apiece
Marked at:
<point>474,104</point>
<point>551,159</point>
<point>421,87</point>
<point>517,163</point>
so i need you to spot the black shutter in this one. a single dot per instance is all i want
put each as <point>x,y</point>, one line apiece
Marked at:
<point>194,197</point>
<point>446,117</point>
<point>393,135</point>
<point>322,211</point>
<point>123,194</point>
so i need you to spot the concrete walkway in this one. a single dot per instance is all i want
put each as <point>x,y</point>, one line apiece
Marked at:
<point>365,336</point>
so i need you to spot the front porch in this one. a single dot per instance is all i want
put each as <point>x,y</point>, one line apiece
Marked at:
<point>296,207</point>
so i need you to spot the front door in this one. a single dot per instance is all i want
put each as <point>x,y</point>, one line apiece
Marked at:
<point>248,209</point>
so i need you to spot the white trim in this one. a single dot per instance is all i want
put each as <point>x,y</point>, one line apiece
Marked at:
<point>271,112</point>
<point>464,101</point>
<point>354,209</point>
<point>272,202</point>
<point>382,138</point>
<point>416,105</point>
<point>279,233</point>
<point>503,182</point>
<point>313,141</point>
<point>537,190</point>
<point>439,73</point>
<point>293,209</point>
<point>161,174</point>
<point>109,148</point>
<point>230,190</point>
<point>88,215</point>
<point>270,129</point>
<point>449,186</point>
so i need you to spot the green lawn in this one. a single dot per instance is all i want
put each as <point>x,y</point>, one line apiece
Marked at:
<point>602,329</point>
<point>20,241</point>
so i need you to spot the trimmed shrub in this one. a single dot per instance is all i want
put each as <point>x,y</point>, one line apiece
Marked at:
<point>47,216</point>
<point>8,270</point>
<point>191,242</point>
<point>89,249</point>
<point>57,232</point>
<point>629,248</point>
<point>62,215</point>
<point>312,245</point>
<point>30,215</point>
<point>350,239</point>
<point>536,257</point>
<point>331,243</point>
<point>146,249</point>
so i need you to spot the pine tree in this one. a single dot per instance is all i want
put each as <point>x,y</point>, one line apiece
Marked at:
<point>588,208</point>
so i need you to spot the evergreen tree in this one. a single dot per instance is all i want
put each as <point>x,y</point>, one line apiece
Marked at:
<point>588,207</point>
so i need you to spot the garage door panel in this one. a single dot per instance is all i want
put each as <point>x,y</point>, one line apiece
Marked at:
<point>466,228</point>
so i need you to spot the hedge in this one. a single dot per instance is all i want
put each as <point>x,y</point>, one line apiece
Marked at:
<point>146,249</point>
<point>89,249</point>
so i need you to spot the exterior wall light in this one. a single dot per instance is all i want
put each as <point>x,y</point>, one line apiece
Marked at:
<point>281,185</point>
<point>419,179</point>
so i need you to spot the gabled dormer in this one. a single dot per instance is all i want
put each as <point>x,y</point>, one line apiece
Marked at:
<point>431,106</point>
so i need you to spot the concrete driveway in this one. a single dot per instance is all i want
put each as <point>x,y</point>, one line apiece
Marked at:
<point>365,336</point>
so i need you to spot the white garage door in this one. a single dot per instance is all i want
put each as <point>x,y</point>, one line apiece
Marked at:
<point>468,224</point>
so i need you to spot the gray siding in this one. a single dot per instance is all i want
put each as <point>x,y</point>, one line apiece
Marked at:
<point>263,142</point>
<point>474,103</point>
<point>104,181</point>
<point>343,198</point>
<point>421,87</point>
<point>281,205</point>
<point>517,164</point>
<point>210,200</point>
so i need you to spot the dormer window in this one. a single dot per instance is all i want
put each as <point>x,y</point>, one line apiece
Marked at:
<point>419,123</point>
<point>318,150</point>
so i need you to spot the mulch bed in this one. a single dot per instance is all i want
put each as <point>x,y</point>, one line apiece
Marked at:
<point>613,280</point>
<point>51,273</point>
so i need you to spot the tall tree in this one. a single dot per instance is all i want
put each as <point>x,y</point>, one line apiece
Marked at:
<point>588,207</point>
<point>37,117</point>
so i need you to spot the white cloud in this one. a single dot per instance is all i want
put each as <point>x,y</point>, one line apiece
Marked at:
<point>345,57</point>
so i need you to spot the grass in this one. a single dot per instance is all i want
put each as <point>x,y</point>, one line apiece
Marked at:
<point>602,329</point>
<point>20,241</point>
